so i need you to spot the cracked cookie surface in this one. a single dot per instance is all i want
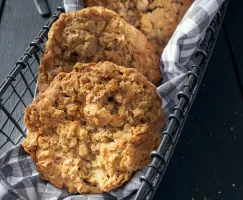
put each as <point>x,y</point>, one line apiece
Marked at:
<point>157,19</point>
<point>94,127</point>
<point>92,35</point>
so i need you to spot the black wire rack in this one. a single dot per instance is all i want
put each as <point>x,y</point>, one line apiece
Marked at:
<point>160,158</point>
<point>18,90</point>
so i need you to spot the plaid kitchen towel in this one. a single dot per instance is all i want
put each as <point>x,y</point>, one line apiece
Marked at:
<point>18,176</point>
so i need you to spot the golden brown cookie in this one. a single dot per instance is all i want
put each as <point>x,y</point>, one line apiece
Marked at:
<point>93,127</point>
<point>157,19</point>
<point>93,35</point>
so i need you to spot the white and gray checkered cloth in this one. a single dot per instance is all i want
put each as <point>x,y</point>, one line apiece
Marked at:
<point>18,176</point>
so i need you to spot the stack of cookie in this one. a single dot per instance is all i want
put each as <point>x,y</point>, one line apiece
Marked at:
<point>97,115</point>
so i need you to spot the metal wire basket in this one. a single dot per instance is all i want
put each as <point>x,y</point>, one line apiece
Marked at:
<point>18,90</point>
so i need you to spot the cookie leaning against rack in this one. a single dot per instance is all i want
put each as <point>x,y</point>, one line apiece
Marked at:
<point>93,127</point>
<point>157,19</point>
<point>92,35</point>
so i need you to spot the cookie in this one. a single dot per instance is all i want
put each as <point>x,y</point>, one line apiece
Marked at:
<point>94,127</point>
<point>157,19</point>
<point>93,35</point>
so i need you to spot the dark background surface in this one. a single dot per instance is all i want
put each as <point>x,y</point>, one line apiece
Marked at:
<point>208,161</point>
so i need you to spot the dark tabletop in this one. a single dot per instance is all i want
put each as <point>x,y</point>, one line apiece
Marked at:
<point>208,160</point>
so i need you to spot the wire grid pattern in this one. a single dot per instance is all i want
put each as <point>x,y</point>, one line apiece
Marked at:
<point>15,98</point>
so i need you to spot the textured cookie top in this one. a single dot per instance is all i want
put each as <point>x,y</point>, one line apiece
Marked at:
<point>93,35</point>
<point>157,19</point>
<point>93,127</point>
